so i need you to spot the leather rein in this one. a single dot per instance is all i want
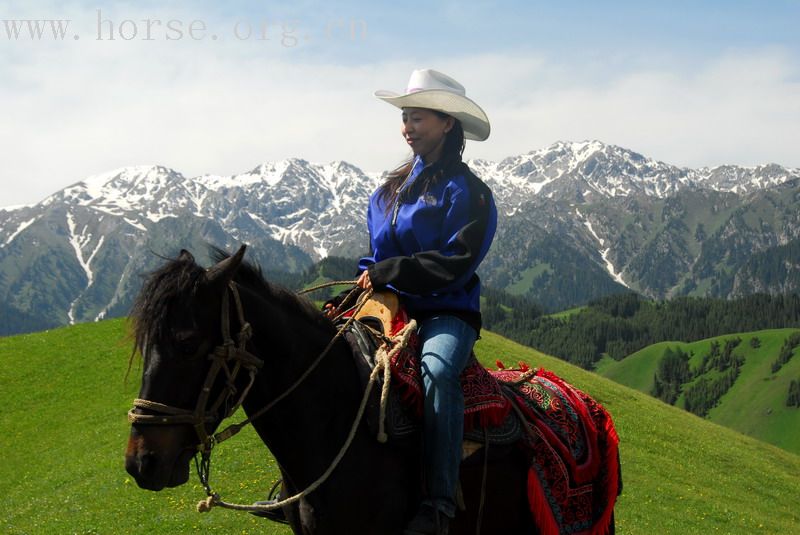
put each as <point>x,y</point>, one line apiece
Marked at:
<point>231,357</point>
<point>222,357</point>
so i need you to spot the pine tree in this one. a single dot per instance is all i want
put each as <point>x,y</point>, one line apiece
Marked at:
<point>794,394</point>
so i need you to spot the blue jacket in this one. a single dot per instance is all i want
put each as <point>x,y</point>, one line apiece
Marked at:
<point>428,245</point>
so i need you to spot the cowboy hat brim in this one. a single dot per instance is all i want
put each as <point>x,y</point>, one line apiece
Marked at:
<point>473,118</point>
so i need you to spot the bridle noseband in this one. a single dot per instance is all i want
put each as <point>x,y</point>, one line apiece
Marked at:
<point>235,352</point>
<point>230,357</point>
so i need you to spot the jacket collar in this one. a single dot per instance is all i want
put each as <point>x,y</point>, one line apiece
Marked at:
<point>419,168</point>
<point>442,163</point>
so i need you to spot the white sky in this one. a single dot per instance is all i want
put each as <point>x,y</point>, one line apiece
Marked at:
<point>716,89</point>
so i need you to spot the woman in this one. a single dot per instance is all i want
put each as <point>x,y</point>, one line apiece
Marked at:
<point>431,223</point>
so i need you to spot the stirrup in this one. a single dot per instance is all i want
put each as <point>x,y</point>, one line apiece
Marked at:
<point>273,497</point>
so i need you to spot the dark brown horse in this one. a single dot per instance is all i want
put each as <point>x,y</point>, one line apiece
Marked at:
<point>180,320</point>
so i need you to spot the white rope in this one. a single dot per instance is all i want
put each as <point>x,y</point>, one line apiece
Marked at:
<point>383,360</point>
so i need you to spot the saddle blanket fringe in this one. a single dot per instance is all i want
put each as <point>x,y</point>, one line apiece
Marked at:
<point>574,477</point>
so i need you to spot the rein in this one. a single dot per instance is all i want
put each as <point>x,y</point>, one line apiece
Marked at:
<point>236,353</point>
<point>383,359</point>
<point>221,357</point>
<point>233,429</point>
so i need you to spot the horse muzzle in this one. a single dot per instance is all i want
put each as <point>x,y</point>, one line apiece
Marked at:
<point>159,457</point>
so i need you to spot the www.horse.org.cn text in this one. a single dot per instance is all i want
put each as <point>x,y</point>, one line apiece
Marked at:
<point>284,33</point>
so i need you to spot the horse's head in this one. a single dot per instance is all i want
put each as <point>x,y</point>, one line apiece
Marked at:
<point>181,322</point>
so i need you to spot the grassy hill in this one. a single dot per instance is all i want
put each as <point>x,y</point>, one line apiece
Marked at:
<point>63,430</point>
<point>755,405</point>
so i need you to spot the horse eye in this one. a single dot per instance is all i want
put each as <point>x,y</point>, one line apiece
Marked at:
<point>187,342</point>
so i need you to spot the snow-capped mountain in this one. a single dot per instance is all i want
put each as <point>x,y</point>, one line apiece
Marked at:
<point>313,206</point>
<point>585,172</point>
<point>584,212</point>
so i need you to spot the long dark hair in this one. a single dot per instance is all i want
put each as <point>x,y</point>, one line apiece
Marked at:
<point>452,151</point>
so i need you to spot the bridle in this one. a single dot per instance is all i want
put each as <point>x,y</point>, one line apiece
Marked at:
<point>231,357</point>
<point>222,357</point>
<point>236,354</point>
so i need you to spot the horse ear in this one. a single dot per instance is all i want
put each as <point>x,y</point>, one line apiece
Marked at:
<point>225,269</point>
<point>186,256</point>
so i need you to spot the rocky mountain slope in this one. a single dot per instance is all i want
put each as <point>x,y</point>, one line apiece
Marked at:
<point>577,221</point>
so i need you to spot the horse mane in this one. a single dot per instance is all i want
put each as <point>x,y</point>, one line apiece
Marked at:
<point>249,275</point>
<point>179,279</point>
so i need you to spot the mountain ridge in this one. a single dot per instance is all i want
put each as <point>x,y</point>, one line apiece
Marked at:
<point>577,220</point>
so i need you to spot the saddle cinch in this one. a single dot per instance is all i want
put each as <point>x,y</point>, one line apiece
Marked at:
<point>487,411</point>
<point>574,475</point>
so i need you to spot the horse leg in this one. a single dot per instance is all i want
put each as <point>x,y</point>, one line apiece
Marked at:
<point>505,510</point>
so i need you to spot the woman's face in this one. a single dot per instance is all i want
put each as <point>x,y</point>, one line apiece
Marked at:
<point>424,131</point>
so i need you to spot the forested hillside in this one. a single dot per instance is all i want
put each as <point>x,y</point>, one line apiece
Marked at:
<point>622,324</point>
<point>748,381</point>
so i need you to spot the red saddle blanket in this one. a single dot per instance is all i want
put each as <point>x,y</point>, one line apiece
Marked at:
<point>573,479</point>
<point>484,402</point>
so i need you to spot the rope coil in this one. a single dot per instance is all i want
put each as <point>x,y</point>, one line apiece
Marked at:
<point>235,428</point>
<point>382,366</point>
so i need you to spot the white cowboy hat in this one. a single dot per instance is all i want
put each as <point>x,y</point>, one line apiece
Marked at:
<point>434,90</point>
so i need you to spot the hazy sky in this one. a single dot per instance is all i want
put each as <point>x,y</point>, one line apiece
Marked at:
<point>212,87</point>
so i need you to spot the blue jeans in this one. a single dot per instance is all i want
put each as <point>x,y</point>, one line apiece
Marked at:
<point>446,346</point>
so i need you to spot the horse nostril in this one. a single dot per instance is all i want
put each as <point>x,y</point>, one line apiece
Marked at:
<point>147,463</point>
<point>141,465</point>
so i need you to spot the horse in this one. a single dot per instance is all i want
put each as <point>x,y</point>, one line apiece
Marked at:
<point>182,320</point>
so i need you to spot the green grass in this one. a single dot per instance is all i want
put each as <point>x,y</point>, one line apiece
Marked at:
<point>755,405</point>
<point>637,369</point>
<point>63,431</point>
<point>525,283</point>
<point>605,363</point>
<point>564,314</point>
<point>703,288</point>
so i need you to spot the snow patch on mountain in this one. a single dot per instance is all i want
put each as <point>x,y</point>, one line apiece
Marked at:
<point>20,228</point>
<point>603,252</point>
<point>318,209</point>
<point>14,207</point>
<point>135,224</point>
<point>79,241</point>
<point>741,179</point>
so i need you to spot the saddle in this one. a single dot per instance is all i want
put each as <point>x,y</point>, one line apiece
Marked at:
<point>487,415</point>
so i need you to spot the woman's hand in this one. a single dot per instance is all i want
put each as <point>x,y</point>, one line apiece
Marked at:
<point>363,280</point>
<point>329,310</point>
